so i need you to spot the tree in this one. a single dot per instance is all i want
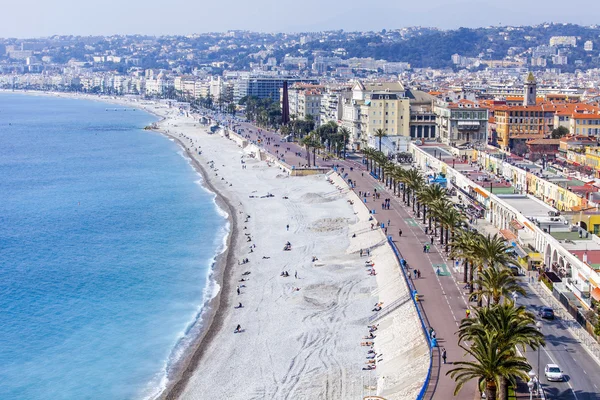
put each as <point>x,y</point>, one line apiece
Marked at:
<point>345,135</point>
<point>492,360</point>
<point>559,132</point>
<point>512,326</point>
<point>495,282</point>
<point>492,250</point>
<point>380,133</point>
<point>429,195</point>
<point>464,245</point>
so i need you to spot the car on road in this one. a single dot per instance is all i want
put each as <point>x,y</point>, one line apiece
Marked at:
<point>553,373</point>
<point>546,313</point>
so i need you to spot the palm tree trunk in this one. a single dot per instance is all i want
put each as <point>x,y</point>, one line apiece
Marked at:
<point>479,299</point>
<point>424,212</point>
<point>503,389</point>
<point>490,391</point>
<point>472,270</point>
<point>466,271</point>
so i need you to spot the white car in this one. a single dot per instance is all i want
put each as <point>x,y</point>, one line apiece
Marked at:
<point>553,373</point>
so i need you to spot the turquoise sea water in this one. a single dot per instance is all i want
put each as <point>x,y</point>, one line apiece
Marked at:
<point>106,244</point>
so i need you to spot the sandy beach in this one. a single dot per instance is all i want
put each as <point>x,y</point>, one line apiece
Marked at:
<point>301,334</point>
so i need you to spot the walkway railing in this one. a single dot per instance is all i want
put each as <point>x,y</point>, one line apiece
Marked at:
<point>420,313</point>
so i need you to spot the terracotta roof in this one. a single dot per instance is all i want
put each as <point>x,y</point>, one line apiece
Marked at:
<point>545,141</point>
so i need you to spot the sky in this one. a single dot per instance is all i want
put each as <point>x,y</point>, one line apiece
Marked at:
<point>40,18</point>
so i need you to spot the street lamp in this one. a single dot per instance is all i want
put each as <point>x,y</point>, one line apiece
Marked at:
<point>538,325</point>
<point>531,383</point>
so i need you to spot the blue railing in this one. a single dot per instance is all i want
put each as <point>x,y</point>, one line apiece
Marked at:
<point>413,291</point>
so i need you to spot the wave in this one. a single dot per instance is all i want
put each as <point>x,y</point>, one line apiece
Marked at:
<point>212,288</point>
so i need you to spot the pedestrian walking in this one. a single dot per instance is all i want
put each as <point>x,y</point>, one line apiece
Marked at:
<point>424,248</point>
<point>415,271</point>
<point>428,248</point>
<point>431,239</point>
<point>418,273</point>
<point>388,222</point>
<point>468,313</point>
<point>400,233</point>
<point>444,354</point>
<point>385,230</point>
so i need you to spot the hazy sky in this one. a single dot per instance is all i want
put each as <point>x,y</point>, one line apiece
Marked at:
<point>36,18</point>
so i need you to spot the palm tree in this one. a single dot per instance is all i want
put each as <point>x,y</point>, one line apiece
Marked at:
<point>380,133</point>
<point>437,210</point>
<point>492,250</point>
<point>368,153</point>
<point>397,177</point>
<point>413,180</point>
<point>496,282</point>
<point>513,326</point>
<point>307,142</point>
<point>345,135</point>
<point>451,219</point>
<point>429,195</point>
<point>464,246</point>
<point>493,360</point>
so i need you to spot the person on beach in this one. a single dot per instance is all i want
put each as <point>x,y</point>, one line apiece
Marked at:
<point>296,274</point>
<point>238,329</point>
<point>238,290</point>
<point>287,227</point>
<point>361,252</point>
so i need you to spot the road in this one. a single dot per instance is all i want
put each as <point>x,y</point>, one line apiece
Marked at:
<point>563,349</point>
<point>443,298</point>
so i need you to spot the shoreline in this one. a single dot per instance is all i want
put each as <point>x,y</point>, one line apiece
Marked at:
<point>210,320</point>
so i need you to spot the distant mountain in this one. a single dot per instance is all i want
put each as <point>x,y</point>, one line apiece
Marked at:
<point>426,47</point>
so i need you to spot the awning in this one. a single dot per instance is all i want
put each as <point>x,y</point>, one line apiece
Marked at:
<point>481,192</point>
<point>508,235</point>
<point>596,294</point>
<point>516,224</point>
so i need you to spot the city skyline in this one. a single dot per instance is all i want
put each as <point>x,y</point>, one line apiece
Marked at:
<point>68,17</point>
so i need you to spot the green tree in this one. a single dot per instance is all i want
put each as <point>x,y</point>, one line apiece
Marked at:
<point>380,133</point>
<point>559,132</point>
<point>495,282</point>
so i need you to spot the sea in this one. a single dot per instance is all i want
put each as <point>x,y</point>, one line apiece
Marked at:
<point>107,243</point>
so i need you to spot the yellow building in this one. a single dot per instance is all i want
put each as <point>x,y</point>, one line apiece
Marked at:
<point>585,124</point>
<point>390,112</point>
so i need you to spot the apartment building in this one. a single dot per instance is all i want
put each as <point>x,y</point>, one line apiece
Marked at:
<point>263,86</point>
<point>332,103</point>
<point>304,100</point>
<point>462,122</point>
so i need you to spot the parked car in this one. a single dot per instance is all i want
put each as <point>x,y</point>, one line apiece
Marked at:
<point>546,313</point>
<point>553,373</point>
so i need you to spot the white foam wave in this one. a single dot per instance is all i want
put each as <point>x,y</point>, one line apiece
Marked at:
<point>159,383</point>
